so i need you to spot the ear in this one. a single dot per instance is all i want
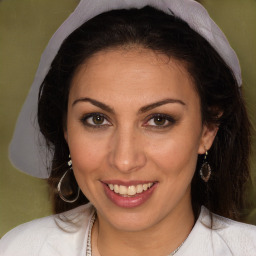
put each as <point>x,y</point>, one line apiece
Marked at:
<point>65,134</point>
<point>65,129</point>
<point>209,132</point>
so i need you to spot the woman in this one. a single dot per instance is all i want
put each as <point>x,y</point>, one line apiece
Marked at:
<point>142,111</point>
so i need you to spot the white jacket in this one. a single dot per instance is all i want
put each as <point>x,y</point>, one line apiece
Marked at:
<point>66,235</point>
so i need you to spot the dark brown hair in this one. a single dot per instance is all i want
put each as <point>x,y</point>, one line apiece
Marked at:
<point>221,99</point>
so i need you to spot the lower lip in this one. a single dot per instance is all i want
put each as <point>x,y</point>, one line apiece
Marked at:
<point>129,202</point>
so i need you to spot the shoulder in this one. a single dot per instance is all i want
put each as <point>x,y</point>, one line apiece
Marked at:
<point>45,234</point>
<point>225,225</point>
<point>240,238</point>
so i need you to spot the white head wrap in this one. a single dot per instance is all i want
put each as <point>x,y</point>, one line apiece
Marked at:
<point>25,152</point>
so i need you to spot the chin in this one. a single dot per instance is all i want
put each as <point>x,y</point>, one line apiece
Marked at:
<point>132,222</point>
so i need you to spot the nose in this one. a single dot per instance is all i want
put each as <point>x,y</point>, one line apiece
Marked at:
<point>127,151</point>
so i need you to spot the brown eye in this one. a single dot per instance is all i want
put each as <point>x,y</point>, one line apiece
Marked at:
<point>159,120</point>
<point>98,119</point>
<point>95,120</point>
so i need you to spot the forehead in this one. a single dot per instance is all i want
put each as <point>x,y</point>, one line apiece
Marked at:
<point>132,75</point>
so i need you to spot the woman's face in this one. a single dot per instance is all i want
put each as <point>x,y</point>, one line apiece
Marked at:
<point>134,125</point>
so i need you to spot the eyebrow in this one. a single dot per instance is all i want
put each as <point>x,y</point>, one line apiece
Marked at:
<point>160,103</point>
<point>95,103</point>
<point>141,110</point>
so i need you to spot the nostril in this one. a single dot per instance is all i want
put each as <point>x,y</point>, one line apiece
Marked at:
<point>126,151</point>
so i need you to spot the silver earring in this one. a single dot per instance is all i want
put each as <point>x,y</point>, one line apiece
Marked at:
<point>69,192</point>
<point>205,170</point>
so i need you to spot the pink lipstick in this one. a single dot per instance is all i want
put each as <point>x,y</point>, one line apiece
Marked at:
<point>129,194</point>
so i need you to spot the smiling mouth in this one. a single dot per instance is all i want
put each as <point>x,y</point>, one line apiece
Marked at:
<point>129,194</point>
<point>130,191</point>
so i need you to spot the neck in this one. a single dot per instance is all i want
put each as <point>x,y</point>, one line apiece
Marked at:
<point>160,239</point>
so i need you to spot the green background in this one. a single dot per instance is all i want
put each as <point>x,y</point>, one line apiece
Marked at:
<point>25,28</point>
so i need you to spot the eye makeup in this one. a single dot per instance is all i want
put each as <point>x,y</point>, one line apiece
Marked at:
<point>160,121</point>
<point>154,121</point>
<point>95,120</point>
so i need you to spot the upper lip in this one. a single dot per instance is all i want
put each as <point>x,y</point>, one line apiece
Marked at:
<point>127,183</point>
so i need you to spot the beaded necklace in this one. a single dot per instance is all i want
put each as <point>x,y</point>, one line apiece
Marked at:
<point>89,243</point>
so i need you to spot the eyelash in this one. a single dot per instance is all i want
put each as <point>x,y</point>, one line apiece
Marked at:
<point>85,118</point>
<point>166,118</point>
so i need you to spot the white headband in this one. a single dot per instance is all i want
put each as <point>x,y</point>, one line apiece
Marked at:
<point>25,152</point>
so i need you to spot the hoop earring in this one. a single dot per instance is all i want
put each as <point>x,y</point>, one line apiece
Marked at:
<point>205,170</point>
<point>68,172</point>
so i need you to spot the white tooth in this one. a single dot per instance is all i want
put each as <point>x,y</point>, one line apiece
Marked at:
<point>139,188</point>
<point>150,184</point>
<point>116,188</point>
<point>131,190</point>
<point>122,190</point>
<point>111,186</point>
<point>145,186</point>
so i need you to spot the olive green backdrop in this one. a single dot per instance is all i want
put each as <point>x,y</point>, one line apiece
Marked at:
<point>25,28</point>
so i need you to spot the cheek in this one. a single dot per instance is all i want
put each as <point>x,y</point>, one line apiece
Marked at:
<point>88,159</point>
<point>176,155</point>
<point>88,154</point>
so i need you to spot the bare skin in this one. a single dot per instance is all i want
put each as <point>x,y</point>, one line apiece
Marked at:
<point>134,117</point>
